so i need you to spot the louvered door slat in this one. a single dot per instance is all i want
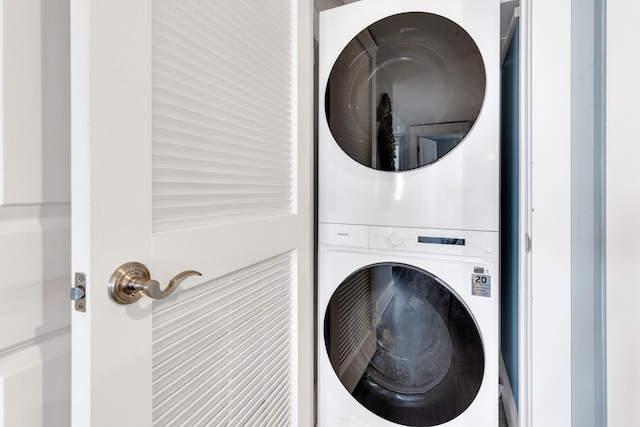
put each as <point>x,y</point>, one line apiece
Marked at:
<point>354,313</point>
<point>252,373</point>
<point>215,188</point>
<point>220,348</point>
<point>254,409</point>
<point>276,416</point>
<point>186,200</point>
<point>192,111</point>
<point>205,165</point>
<point>184,344</point>
<point>350,102</point>
<point>218,127</point>
<point>176,73</point>
<point>198,37</point>
<point>165,174</point>
<point>255,22</point>
<point>180,312</point>
<point>198,149</point>
<point>254,390</point>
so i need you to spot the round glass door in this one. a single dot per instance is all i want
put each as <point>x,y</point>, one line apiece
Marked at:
<point>404,345</point>
<point>405,91</point>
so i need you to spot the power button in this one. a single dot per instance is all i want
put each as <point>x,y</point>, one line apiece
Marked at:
<point>396,238</point>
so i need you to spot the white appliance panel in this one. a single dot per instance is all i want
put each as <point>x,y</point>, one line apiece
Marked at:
<point>460,190</point>
<point>337,405</point>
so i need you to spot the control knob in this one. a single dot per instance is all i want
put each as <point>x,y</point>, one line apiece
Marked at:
<point>396,238</point>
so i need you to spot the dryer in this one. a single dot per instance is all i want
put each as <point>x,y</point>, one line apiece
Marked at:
<point>407,327</point>
<point>409,114</point>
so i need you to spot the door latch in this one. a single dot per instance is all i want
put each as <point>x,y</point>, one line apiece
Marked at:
<point>78,292</point>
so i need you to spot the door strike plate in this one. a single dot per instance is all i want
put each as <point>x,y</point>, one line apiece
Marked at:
<point>78,293</point>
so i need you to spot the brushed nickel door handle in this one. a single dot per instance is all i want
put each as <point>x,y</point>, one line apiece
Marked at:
<point>132,280</point>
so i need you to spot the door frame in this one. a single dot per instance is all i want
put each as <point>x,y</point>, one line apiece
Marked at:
<point>545,214</point>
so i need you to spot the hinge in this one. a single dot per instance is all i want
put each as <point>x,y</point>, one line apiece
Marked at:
<point>78,293</point>
<point>527,242</point>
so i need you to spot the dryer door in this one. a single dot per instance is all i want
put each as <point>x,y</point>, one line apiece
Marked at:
<point>404,345</point>
<point>405,79</point>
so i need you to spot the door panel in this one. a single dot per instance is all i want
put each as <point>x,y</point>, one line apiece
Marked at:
<point>220,349</point>
<point>222,138</point>
<point>191,151</point>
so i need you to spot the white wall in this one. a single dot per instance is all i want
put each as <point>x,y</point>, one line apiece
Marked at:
<point>623,214</point>
<point>34,213</point>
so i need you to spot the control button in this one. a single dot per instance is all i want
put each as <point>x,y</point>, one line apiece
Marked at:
<point>396,238</point>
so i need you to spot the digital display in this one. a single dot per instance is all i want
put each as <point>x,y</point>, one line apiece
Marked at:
<point>441,240</point>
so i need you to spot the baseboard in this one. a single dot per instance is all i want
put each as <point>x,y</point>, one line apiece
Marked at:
<point>509,403</point>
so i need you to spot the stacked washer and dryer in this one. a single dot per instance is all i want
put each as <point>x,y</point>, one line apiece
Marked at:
<point>408,293</point>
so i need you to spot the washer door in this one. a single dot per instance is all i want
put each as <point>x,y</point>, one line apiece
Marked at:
<point>405,91</point>
<point>404,345</point>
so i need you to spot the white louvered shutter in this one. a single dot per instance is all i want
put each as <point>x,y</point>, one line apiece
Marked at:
<point>222,111</point>
<point>222,352</point>
<point>223,152</point>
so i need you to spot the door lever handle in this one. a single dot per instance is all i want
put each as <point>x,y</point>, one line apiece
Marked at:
<point>132,280</point>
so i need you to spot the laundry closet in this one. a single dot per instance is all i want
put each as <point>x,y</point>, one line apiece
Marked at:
<point>411,213</point>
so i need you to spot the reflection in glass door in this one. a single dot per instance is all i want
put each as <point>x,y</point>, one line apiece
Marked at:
<point>405,91</point>
<point>409,349</point>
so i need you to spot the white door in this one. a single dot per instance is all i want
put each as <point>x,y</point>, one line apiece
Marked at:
<point>191,150</point>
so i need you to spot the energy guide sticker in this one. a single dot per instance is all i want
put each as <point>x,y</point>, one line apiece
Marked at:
<point>481,285</point>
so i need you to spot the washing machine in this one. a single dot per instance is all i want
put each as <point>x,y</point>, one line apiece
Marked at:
<point>407,327</point>
<point>409,114</point>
